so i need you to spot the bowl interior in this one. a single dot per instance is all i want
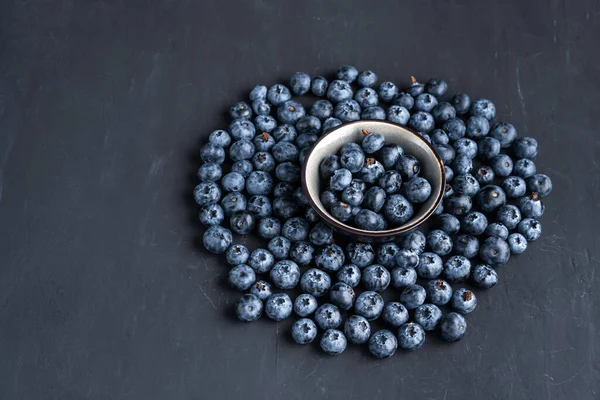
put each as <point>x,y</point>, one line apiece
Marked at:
<point>413,144</point>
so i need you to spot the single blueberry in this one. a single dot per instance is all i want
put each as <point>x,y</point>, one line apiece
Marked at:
<point>241,150</point>
<point>321,109</point>
<point>321,234</point>
<point>315,282</point>
<point>517,243</point>
<point>453,327</point>
<point>369,305</point>
<point>494,251</point>
<point>290,112</point>
<point>217,239</point>
<point>428,316</point>
<point>524,168</point>
<point>439,292</point>
<point>455,128</point>
<point>330,123</point>
<point>302,253</point>
<point>260,206</point>
<point>237,254</point>
<point>240,110</point>
<point>383,344</point>
<point>462,165</point>
<point>525,147</point>
<point>286,172</point>
<point>265,123</point>
<point>242,222</point>
<point>439,242</point>
<point>530,228</point>
<point>211,153</point>
<point>531,206</point>
<point>496,229</point>
<point>211,214</point>
<point>425,102</point>
<point>263,142</point>
<point>244,167</point>
<point>477,127</point>
<point>458,205</point>
<point>488,148</point>
<point>261,289</point>
<point>284,208</point>
<point>278,306</point>
<point>421,121</point>
<point>466,245</point>
<point>387,91</point>
<point>457,268</point>
<point>279,247</point>
<point>261,107</point>
<point>403,277</point>
<point>505,133</point>
<point>490,198</point>
<point>466,147</point>
<point>347,73</point>
<point>438,136</point>
<point>417,190</point>
<point>330,257</point>
<point>233,182</point>
<point>446,152</point>
<point>397,210</point>
<point>443,112</point>
<point>414,240</point>
<point>398,115</point>
<point>304,331</point>
<point>342,295</point>
<point>371,171</point>
<point>357,329</point>
<point>248,308</point>
<point>241,277</point>
<point>300,83</point>
<point>268,228</point>
<point>341,211</point>
<point>373,112</point>
<point>415,88</point>
<point>411,336</point>
<point>484,108</point>
<point>318,86</point>
<point>367,78</point>
<point>360,254</point>
<point>413,296</point>
<point>430,266</point>
<point>308,125</point>
<point>258,93</point>
<point>391,183</point>
<point>376,278</point>
<point>220,138</point>
<point>305,304</point>
<point>485,175</point>
<point>347,111</point>
<point>395,314</point>
<point>539,183</point>
<point>484,276</point>
<point>366,97</point>
<point>509,215</point>
<point>263,161</point>
<point>463,301</point>
<point>350,275</point>
<point>502,165</point>
<point>437,87</point>
<point>328,316</point>
<point>278,94</point>
<point>339,90</point>
<point>474,223</point>
<point>333,342</point>
<point>242,129</point>
<point>461,103</point>
<point>261,261</point>
<point>465,184</point>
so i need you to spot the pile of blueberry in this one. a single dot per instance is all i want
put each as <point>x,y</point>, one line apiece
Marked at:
<point>493,200</point>
<point>373,186</point>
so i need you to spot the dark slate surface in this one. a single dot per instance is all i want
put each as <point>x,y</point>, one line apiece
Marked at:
<point>104,291</point>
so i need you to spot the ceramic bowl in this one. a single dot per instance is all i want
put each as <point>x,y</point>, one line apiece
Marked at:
<point>432,169</point>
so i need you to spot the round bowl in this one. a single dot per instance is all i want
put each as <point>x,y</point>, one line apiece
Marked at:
<point>432,169</point>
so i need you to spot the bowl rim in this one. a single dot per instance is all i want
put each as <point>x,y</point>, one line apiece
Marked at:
<point>375,234</point>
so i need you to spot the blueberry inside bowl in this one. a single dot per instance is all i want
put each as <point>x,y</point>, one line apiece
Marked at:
<point>431,169</point>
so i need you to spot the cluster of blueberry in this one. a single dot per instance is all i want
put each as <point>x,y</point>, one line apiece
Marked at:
<point>262,193</point>
<point>373,186</point>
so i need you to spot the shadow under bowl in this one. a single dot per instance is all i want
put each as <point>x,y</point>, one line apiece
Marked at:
<point>432,169</point>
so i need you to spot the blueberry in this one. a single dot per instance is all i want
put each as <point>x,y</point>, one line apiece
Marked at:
<point>490,198</point>
<point>278,306</point>
<point>350,275</point>
<point>438,137</point>
<point>322,109</point>
<point>305,304</point>
<point>261,289</point>
<point>244,167</point>
<point>369,305</point>
<point>311,215</point>
<point>268,228</point>
<point>484,108</point>
<point>339,90</point>
<point>414,240</point>
<point>531,206</point>
<point>376,278</point>
<point>278,94</point>
<point>397,210</point>
<point>357,329</point>
<point>462,165</point>
<point>241,277</point>
<point>494,251</point>
<point>302,253</point>
<point>374,113</point>
<point>237,254</point>
<point>505,133</point>
<point>525,147</point>
<point>374,199</point>
<point>233,182</point>
<point>509,215</point>
<point>398,115</point>
<point>367,220</point>
<point>261,107</point>
<point>485,175</point>
<point>340,179</point>
<point>387,91</point>
<point>417,190</point>
<point>342,295</point>
<point>304,331</point>
<point>341,211</point>
<point>279,247</point>
<point>285,133</point>
<point>352,196</point>
<point>217,239</point>
<point>347,111</point>
<point>328,316</point>
<point>443,112</point>
<point>366,97</point>
<point>308,125</point>
<point>328,166</point>
<point>439,292</point>
<point>458,205</point>
<point>488,148</point>
<point>259,183</point>
<point>448,191</point>
<point>446,152</point>
<point>449,172</point>
<point>367,78</point>
<point>484,276</point>
<point>477,127</point>
<point>265,123</point>
<point>371,171</point>
<point>352,160</point>
<point>421,121</point>
<point>260,206</point>
<point>502,165</point>
<point>403,277</point>
<point>290,112</point>
<point>321,234</point>
<point>391,182</point>
<point>347,73</point>
<point>285,274</point>
<point>461,103</point>
<point>439,242</point>
<point>411,336</point>
<point>333,342</point>
<point>464,301</point>
<point>530,228</point>
<point>383,344</point>
<point>496,230</point>
<point>211,153</point>
<point>360,254</point>
<point>428,316</point>
<point>524,168</point>
<point>466,245</point>
<point>425,102</point>
<point>455,128</point>
<point>514,187</point>
<point>406,258</point>
<point>457,268</point>
<point>240,110</point>
<point>284,208</point>
<point>453,327</point>
<point>220,138</point>
<point>295,229</point>
<point>249,308</point>
<point>318,86</point>
<point>211,214</point>
<point>300,83</point>
<point>258,93</point>
<point>430,266</point>
<point>242,129</point>
<point>262,161</point>
<point>466,147</point>
<point>389,155</point>
<point>474,223</point>
<point>466,185</point>
<point>539,183</point>
<point>242,222</point>
<point>415,88</point>
<point>517,243</point>
<point>386,254</point>
<point>286,172</point>
<point>413,296</point>
<point>437,87</point>
<point>330,257</point>
<point>241,150</point>
<point>330,123</point>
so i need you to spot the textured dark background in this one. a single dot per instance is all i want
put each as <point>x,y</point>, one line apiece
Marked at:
<point>104,291</point>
